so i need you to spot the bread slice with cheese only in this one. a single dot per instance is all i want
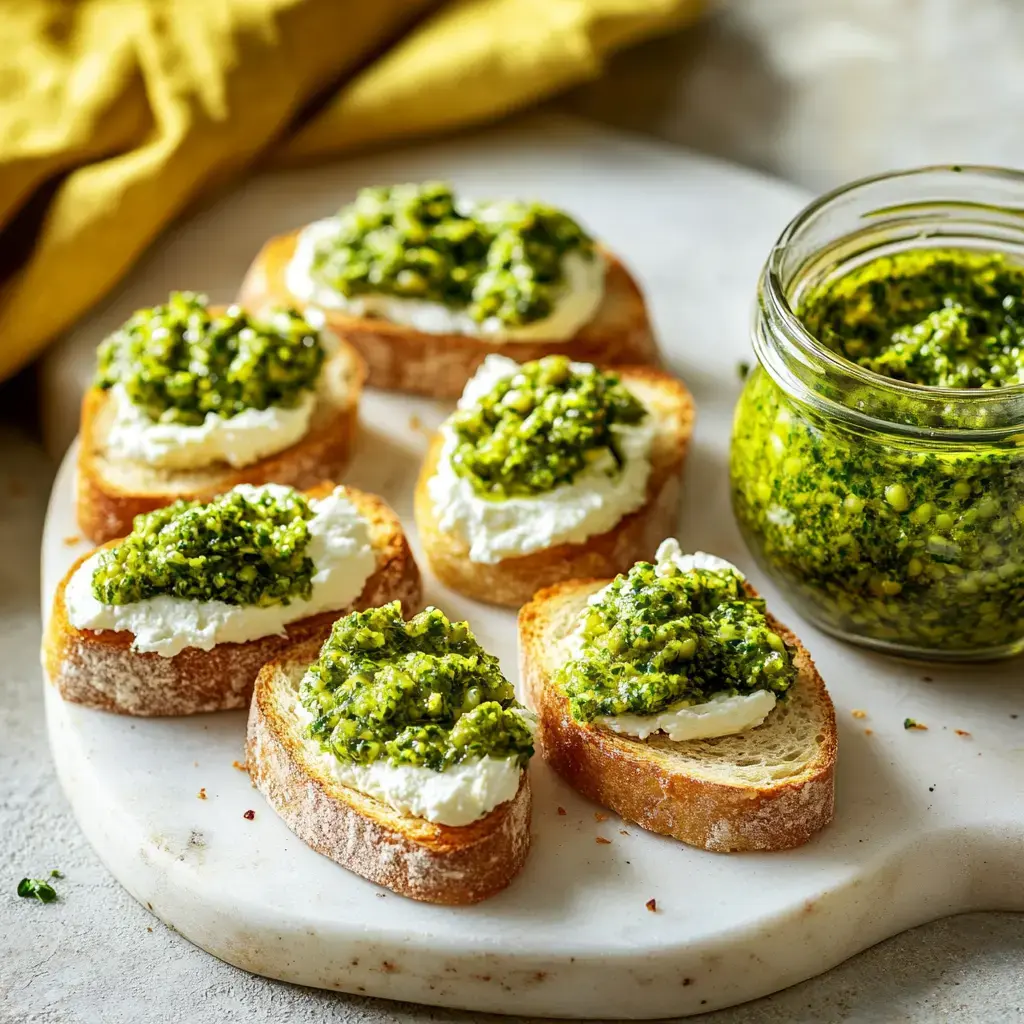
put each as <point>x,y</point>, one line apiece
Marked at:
<point>111,491</point>
<point>514,579</point>
<point>402,358</point>
<point>768,788</point>
<point>100,668</point>
<point>409,855</point>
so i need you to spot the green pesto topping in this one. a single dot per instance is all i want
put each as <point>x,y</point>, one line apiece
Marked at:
<point>417,692</point>
<point>246,547</point>
<point>502,260</point>
<point>539,427</point>
<point>177,362</point>
<point>938,317</point>
<point>660,637</point>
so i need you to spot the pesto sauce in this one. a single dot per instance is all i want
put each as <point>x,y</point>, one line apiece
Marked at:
<point>660,637</point>
<point>540,427</point>
<point>178,362</point>
<point>500,260</point>
<point>242,549</point>
<point>911,543</point>
<point>420,692</point>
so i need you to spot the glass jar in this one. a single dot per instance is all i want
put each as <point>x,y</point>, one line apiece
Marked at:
<point>891,514</point>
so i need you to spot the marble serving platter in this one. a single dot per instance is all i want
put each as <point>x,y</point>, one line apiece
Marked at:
<point>928,823</point>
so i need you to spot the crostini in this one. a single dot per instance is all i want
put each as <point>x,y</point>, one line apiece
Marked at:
<point>426,284</point>
<point>398,750</point>
<point>179,616</point>
<point>190,400</point>
<point>550,471</point>
<point>672,697</point>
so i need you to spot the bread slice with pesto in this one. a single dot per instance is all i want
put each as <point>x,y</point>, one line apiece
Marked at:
<point>111,490</point>
<point>515,578</point>
<point>768,788</point>
<point>100,669</point>
<point>401,358</point>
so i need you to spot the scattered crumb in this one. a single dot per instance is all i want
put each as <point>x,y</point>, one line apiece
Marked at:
<point>909,723</point>
<point>742,369</point>
<point>687,981</point>
<point>961,732</point>
<point>652,906</point>
<point>623,832</point>
<point>202,793</point>
<point>869,732</point>
<point>598,816</point>
<point>240,765</point>
<point>603,841</point>
<point>72,540</point>
<point>1015,716</point>
<point>195,764</point>
<point>926,679</point>
<point>857,713</point>
<point>562,811</point>
<point>249,815</point>
<point>415,423</point>
<point>380,894</point>
<point>148,929</point>
<point>931,789</point>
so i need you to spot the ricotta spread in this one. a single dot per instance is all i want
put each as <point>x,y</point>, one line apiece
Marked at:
<point>581,295</point>
<point>724,714</point>
<point>593,503</point>
<point>343,556</point>
<point>460,795</point>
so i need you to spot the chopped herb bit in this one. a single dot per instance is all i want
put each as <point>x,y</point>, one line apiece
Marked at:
<point>500,260</point>
<point>417,692</point>
<point>909,723</point>
<point>56,874</point>
<point>37,888</point>
<point>246,547</point>
<point>743,369</point>
<point>178,362</point>
<point>540,427</point>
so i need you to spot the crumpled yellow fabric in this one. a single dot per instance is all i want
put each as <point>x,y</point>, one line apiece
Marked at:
<point>115,115</point>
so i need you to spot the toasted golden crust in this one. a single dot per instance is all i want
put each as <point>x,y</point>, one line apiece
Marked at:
<point>99,668</point>
<point>770,788</point>
<point>111,493</point>
<point>411,856</point>
<point>513,581</point>
<point>438,365</point>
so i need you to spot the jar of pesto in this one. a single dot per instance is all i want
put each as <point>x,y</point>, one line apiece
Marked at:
<point>877,464</point>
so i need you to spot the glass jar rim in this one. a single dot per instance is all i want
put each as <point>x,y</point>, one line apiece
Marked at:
<point>774,296</point>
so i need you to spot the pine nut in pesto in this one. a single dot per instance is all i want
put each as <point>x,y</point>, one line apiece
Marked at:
<point>179,361</point>
<point>421,692</point>
<point>501,260</point>
<point>877,463</point>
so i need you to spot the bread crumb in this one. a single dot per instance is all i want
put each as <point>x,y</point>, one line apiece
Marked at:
<point>249,815</point>
<point>202,793</point>
<point>910,723</point>
<point>415,422</point>
<point>857,713</point>
<point>148,929</point>
<point>72,540</point>
<point>961,732</point>
<point>603,841</point>
<point>623,832</point>
<point>652,906</point>
<point>562,811</point>
<point>240,765</point>
<point>598,816</point>
<point>869,732</point>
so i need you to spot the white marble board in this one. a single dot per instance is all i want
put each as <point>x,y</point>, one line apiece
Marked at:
<point>927,823</point>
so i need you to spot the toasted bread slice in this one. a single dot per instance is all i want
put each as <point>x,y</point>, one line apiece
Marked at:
<point>401,358</point>
<point>770,788</point>
<point>98,668</point>
<point>112,492</point>
<point>411,856</point>
<point>513,581</point>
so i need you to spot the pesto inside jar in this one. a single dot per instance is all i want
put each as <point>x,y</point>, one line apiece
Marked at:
<point>662,637</point>
<point>908,540</point>
<point>419,692</point>
<point>502,260</point>
<point>539,427</point>
<point>246,547</point>
<point>178,362</point>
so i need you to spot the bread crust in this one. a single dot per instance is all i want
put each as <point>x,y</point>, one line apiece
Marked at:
<point>410,856</point>
<point>513,581</point>
<point>110,494</point>
<point>638,780</point>
<point>438,365</point>
<point>98,668</point>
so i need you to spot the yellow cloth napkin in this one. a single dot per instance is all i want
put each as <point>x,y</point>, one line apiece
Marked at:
<point>115,115</point>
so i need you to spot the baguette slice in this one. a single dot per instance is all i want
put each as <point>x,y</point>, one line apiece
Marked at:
<point>112,492</point>
<point>401,358</point>
<point>770,788</point>
<point>513,581</point>
<point>98,668</point>
<point>411,856</point>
